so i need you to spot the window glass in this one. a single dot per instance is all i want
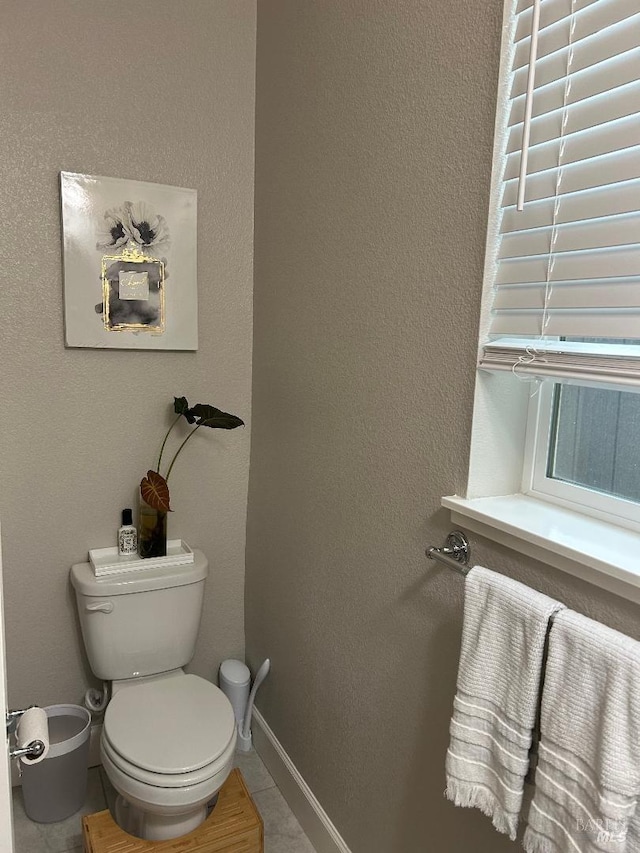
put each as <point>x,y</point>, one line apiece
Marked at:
<point>595,440</point>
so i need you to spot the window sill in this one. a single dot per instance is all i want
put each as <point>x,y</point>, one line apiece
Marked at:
<point>596,551</point>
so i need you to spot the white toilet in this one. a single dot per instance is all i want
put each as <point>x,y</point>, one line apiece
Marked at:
<point>168,738</point>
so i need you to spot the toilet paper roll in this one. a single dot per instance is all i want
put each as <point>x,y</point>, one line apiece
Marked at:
<point>33,725</point>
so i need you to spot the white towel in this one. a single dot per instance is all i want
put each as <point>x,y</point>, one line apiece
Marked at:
<point>494,711</point>
<point>588,776</point>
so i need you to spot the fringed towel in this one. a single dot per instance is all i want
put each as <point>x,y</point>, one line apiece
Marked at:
<point>588,776</point>
<point>503,640</point>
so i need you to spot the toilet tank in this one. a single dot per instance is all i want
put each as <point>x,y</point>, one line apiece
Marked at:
<point>142,623</point>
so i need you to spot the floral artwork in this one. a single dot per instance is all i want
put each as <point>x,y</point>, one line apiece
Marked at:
<point>129,264</point>
<point>133,222</point>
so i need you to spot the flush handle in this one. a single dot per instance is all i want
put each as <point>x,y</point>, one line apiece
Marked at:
<point>99,607</point>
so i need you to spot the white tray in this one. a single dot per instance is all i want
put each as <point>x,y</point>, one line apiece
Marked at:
<point>107,561</point>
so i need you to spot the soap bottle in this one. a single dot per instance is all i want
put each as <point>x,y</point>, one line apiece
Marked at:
<point>127,536</point>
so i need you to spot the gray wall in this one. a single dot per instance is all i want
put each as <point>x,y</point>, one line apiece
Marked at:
<point>374,129</point>
<point>156,91</point>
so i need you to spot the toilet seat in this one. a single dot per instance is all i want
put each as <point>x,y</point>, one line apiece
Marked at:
<point>167,780</point>
<point>170,733</point>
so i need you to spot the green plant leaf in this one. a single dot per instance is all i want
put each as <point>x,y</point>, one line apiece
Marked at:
<point>216,419</point>
<point>181,407</point>
<point>155,491</point>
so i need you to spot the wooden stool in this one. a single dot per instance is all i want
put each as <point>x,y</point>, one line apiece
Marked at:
<point>234,826</point>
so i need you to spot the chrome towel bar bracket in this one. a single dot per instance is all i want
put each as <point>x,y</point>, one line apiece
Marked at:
<point>455,553</point>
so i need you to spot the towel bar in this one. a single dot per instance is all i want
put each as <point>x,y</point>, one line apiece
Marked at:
<point>454,554</point>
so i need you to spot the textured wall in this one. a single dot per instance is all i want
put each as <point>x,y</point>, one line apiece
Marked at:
<point>157,91</point>
<point>373,127</point>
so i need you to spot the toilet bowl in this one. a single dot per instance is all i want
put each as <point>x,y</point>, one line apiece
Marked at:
<point>167,747</point>
<point>168,738</point>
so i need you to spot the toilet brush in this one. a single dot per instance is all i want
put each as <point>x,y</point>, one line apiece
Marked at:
<point>244,728</point>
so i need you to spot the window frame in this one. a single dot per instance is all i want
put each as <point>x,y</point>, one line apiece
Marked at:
<point>496,503</point>
<point>537,483</point>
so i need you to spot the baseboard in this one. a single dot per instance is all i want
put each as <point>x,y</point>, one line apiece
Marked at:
<point>301,799</point>
<point>94,754</point>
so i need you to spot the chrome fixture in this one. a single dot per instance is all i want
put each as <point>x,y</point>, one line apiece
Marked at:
<point>454,554</point>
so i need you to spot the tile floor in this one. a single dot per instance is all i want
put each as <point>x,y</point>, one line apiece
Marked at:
<point>282,832</point>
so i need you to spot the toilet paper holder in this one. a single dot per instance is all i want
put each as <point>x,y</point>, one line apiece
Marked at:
<point>33,749</point>
<point>12,718</point>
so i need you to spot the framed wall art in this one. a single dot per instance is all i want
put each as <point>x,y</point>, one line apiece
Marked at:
<point>130,275</point>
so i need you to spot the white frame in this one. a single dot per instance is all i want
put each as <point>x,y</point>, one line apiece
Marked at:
<point>536,483</point>
<point>162,257</point>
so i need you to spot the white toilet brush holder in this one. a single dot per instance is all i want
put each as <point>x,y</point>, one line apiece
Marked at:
<point>244,741</point>
<point>234,679</point>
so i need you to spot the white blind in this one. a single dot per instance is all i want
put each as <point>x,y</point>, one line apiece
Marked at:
<point>569,263</point>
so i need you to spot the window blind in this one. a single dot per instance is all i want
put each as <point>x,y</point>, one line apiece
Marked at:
<point>568,264</point>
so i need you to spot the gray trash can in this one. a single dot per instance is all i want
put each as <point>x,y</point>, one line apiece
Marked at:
<point>56,787</point>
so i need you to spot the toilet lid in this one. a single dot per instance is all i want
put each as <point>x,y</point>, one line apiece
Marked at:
<point>174,725</point>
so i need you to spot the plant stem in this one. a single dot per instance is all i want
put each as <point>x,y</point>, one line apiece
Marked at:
<point>165,441</point>
<point>192,433</point>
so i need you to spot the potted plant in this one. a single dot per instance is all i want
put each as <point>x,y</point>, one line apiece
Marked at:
<point>154,488</point>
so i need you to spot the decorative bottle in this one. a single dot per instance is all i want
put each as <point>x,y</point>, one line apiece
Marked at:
<point>127,536</point>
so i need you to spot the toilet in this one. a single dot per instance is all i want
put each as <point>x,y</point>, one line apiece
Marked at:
<point>168,737</point>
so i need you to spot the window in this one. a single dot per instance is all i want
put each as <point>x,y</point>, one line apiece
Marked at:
<point>565,294</point>
<point>594,440</point>
<point>586,450</point>
<point>561,301</point>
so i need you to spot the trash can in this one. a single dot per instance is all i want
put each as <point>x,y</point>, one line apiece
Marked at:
<point>56,787</point>
<point>234,679</point>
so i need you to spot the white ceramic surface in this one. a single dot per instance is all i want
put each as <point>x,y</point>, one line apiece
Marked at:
<point>142,624</point>
<point>157,812</point>
<point>175,725</point>
<point>168,738</point>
